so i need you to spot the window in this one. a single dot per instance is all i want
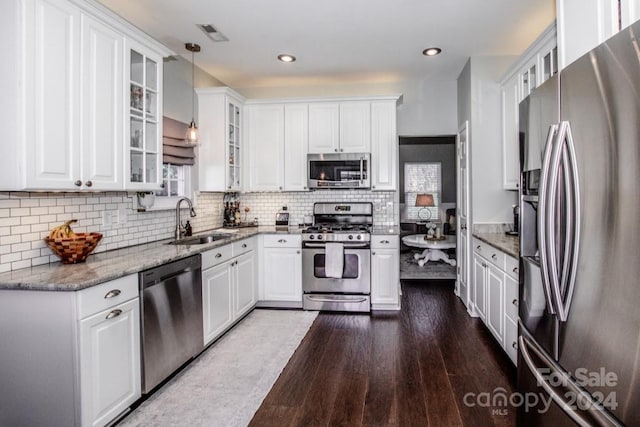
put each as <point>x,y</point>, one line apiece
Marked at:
<point>422,178</point>
<point>177,184</point>
<point>173,178</point>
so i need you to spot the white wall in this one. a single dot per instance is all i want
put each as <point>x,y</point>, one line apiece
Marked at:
<point>177,88</point>
<point>428,109</point>
<point>479,101</point>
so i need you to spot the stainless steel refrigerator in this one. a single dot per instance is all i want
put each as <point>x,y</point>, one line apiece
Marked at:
<point>579,310</point>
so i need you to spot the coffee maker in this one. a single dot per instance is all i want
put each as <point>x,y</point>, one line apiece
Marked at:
<point>516,221</point>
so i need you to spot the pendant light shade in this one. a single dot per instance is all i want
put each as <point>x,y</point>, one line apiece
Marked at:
<point>192,135</point>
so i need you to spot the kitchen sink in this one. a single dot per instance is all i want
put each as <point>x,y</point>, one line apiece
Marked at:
<point>201,240</point>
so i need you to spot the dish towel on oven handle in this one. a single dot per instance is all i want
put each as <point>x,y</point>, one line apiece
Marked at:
<point>333,260</point>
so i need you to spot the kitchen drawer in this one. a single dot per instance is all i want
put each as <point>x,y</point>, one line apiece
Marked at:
<point>106,295</point>
<point>511,340</point>
<point>282,241</point>
<point>385,242</point>
<point>511,298</point>
<point>511,267</point>
<point>216,256</point>
<point>491,254</point>
<point>243,246</point>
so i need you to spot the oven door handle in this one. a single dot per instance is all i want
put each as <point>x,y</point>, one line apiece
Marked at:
<point>325,299</point>
<point>346,246</point>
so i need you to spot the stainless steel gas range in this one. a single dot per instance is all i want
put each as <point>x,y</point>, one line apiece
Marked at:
<point>340,230</point>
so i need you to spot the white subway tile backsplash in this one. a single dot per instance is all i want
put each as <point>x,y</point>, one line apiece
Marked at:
<point>26,218</point>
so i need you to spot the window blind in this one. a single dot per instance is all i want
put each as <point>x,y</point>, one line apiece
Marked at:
<point>174,148</point>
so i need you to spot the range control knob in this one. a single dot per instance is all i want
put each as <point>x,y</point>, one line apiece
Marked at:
<point>350,236</point>
<point>311,237</point>
<point>359,237</point>
<point>319,236</point>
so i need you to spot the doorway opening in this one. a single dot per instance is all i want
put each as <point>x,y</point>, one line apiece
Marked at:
<point>427,169</point>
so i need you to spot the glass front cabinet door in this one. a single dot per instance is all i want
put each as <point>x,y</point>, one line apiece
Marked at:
<point>144,150</point>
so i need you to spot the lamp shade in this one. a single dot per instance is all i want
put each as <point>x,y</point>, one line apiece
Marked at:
<point>424,200</point>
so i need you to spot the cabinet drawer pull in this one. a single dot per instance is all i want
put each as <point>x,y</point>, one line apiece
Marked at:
<point>244,245</point>
<point>385,242</point>
<point>515,302</point>
<point>515,270</point>
<point>478,247</point>
<point>218,255</point>
<point>112,293</point>
<point>514,345</point>
<point>113,313</point>
<point>282,241</point>
<point>494,257</point>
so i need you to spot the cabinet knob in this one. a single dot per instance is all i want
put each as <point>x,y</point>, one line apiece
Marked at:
<point>373,253</point>
<point>112,293</point>
<point>479,247</point>
<point>78,183</point>
<point>515,302</point>
<point>297,252</point>
<point>463,227</point>
<point>113,313</point>
<point>335,149</point>
<point>88,183</point>
<point>341,150</point>
<point>494,257</point>
<point>162,185</point>
<point>514,345</point>
<point>218,255</point>
<point>229,187</point>
<point>244,245</point>
<point>373,186</point>
<point>280,188</point>
<point>515,270</point>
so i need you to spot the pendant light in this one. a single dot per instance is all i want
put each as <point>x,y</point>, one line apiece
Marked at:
<point>192,132</point>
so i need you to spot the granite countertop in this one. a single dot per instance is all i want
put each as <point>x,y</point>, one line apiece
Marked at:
<point>105,266</point>
<point>504,242</point>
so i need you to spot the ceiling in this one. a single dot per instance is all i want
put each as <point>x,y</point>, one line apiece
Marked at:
<point>339,41</point>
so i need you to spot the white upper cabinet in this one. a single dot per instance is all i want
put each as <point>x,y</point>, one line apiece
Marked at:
<point>69,129</point>
<point>535,66</point>
<point>584,24</point>
<point>384,145</point>
<point>355,127</point>
<point>265,140</point>
<point>220,152</point>
<point>102,105</point>
<point>324,132</point>
<point>340,127</point>
<point>296,142</point>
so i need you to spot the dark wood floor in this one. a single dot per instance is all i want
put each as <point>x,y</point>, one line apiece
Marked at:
<point>411,368</point>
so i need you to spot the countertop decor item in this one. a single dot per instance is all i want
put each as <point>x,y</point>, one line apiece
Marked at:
<point>146,200</point>
<point>71,247</point>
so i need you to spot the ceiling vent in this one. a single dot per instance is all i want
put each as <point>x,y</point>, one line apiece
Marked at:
<point>212,33</point>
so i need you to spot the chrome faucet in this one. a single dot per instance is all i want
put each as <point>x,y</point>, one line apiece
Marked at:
<point>179,227</point>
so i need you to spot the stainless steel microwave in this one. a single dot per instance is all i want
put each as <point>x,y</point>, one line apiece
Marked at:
<point>339,170</point>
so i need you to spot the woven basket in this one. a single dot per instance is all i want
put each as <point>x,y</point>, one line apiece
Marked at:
<point>74,250</point>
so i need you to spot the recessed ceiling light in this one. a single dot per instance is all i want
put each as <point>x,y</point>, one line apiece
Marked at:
<point>431,51</point>
<point>286,58</point>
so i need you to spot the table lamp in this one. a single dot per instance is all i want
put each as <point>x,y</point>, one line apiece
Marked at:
<point>424,201</point>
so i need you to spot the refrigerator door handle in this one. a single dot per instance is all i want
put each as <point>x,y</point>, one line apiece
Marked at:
<point>543,238</point>
<point>591,413</point>
<point>572,243</point>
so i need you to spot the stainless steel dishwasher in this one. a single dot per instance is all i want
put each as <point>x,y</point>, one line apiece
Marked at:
<point>171,324</point>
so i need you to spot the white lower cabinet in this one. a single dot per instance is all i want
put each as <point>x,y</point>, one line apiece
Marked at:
<point>281,267</point>
<point>385,273</point>
<point>77,354</point>
<point>109,362</point>
<point>496,294</point>
<point>229,287</point>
